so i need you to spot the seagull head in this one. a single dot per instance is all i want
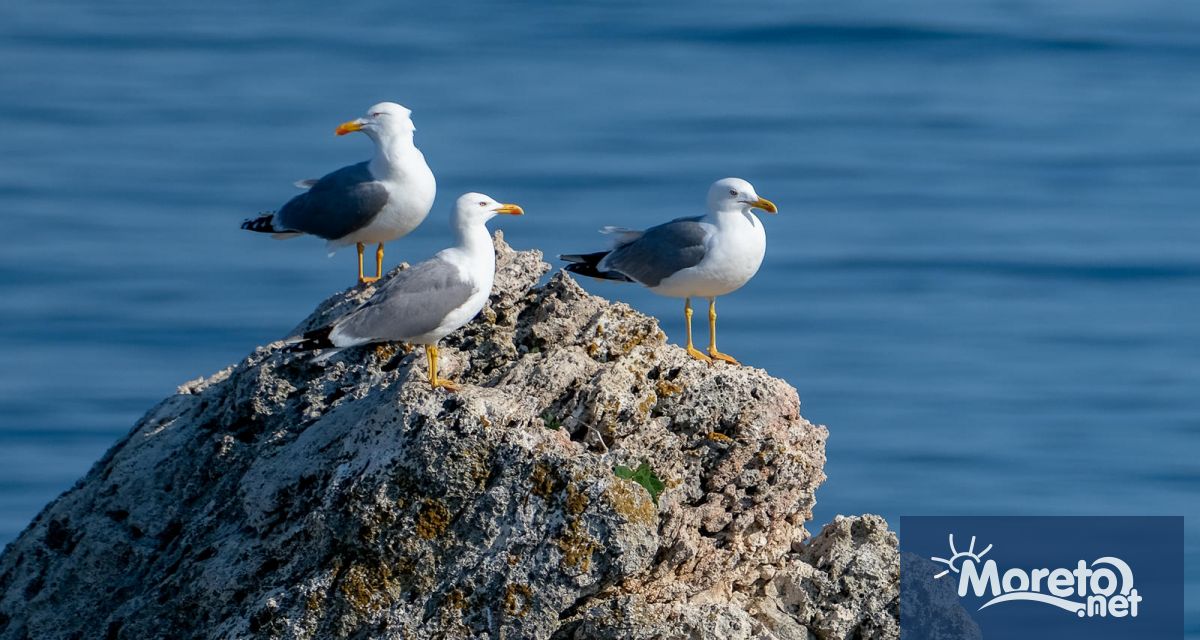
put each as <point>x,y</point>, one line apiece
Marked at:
<point>735,194</point>
<point>383,120</point>
<point>477,208</point>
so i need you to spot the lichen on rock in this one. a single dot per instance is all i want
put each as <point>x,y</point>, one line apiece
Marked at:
<point>280,498</point>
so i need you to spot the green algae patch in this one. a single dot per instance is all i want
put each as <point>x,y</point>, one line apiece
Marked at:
<point>644,476</point>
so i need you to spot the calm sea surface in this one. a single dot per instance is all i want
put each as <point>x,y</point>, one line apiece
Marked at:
<point>984,277</point>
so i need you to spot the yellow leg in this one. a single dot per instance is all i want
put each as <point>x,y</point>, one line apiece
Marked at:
<point>431,365</point>
<point>712,334</point>
<point>431,352</point>
<point>692,351</point>
<point>364,279</point>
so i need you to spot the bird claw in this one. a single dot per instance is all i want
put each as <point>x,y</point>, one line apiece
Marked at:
<point>446,384</point>
<point>699,355</point>
<point>717,355</point>
<point>368,279</point>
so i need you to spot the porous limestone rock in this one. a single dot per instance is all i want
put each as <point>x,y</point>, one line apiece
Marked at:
<point>281,498</point>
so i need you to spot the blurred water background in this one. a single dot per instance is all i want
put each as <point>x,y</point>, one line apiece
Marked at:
<point>984,277</point>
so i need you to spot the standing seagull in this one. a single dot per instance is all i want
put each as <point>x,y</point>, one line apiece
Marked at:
<point>369,202</point>
<point>709,255</point>
<point>426,303</point>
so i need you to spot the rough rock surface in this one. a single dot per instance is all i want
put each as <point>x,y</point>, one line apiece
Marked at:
<point>280,498</point>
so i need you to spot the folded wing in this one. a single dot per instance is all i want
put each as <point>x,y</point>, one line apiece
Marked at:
<point>413,303</point>
<point>660,251</point>
<point>334,206</point>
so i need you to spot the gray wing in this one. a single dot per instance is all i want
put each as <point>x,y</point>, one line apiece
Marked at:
<point>412,303</point>
<point>660,251</point>
<point>336,205</point>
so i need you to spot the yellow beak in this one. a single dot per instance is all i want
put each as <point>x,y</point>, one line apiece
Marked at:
<point>510,209</point>
<point>765,205</point>
<point>349,127</point>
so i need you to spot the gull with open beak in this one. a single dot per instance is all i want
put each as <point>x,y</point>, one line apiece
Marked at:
<point>370,202</point>
<point>708,256</point>
<point>427,302</point>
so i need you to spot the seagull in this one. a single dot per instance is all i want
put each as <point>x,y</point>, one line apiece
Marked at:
<point>428,301</point>
<point>709,255</point>
<point>370,202</point>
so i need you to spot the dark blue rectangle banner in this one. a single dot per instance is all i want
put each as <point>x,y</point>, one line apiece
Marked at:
<point>1031,577</point>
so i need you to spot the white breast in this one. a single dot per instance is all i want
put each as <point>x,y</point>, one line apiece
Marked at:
<point>411,191</point>
<point>734,252</point>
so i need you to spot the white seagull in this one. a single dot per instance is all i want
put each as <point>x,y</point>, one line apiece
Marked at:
<point>709,255</point>
<point>370,202</point>
<point>427,302</point>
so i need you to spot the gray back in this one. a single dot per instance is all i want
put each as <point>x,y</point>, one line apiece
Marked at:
<point>337,205</point>
<point>412,303</point>
<point>660,251</point>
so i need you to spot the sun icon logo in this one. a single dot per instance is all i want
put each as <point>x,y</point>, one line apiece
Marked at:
<point>958,557</point>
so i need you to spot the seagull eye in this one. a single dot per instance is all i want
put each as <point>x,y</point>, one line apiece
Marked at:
<point>377,114</point>
<point>733,192</point>
<point>483,204</point>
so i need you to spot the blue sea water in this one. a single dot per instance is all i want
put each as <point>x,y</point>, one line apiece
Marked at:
<point>984,276</point>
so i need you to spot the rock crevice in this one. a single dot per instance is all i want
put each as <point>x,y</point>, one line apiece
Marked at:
<point>590,481</point>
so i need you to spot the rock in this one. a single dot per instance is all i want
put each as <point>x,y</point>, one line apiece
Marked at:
<point>933,607</point>
<point>843,584</point>
<point>280,498</point>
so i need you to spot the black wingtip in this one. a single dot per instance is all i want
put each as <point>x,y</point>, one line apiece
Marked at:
<point>312,340</point>
<point>264,223</point>
<point>585,264</point>
<point>588,259</point>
